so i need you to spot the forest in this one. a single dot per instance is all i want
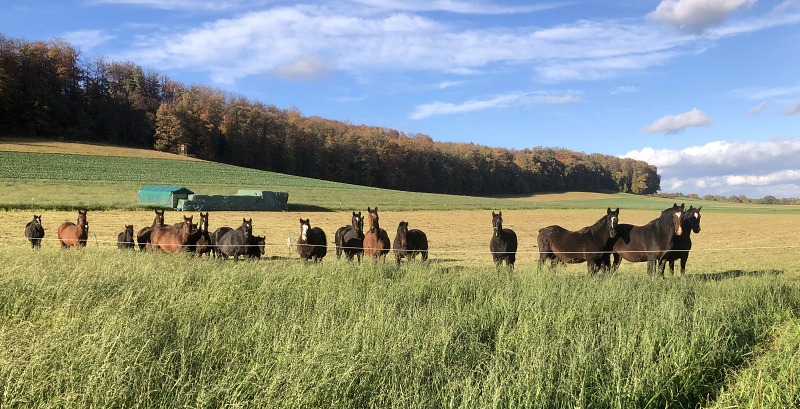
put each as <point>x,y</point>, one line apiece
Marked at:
<point>48,89</point>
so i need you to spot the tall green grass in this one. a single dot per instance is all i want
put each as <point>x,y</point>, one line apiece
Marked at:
<point>103,328</point>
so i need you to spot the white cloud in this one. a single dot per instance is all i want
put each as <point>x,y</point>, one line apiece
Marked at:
<point>758,109</point>
<point>751,168</point>
<point>454,6</point>
<point>87,39</point>
<point>304,68</point>
<point>624,89</point>
<point>185,4</point>
<point>448,84</point>
<point>767,93</point>
<point>499,101</point>
<point>672,124</point>
<point>793,110</point>
<point>350,99</point>
<point>695,16</point>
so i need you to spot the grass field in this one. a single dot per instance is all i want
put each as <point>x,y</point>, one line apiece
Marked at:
<point>101,327</point>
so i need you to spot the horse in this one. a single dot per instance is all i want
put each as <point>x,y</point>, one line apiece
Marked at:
<point>503,244</point>
<point>143,236</point>
<point>235,243</point>
<point>409,243</point>
<point>376,240</point>
<point>312,243</point>
<point>350,239</point>
<point>682,243</point>
<point>649,242</point>
<point>257,246</point>
<point>74,235</point>
<point>215,236</point>
<point>125,239</point>
<point>588,244</point>
<point>199,239</point>
<point>34,232</point>
<point>169,239</point>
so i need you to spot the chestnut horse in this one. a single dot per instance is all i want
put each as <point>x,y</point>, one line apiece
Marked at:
<point>74,235</point>
<point>143,236</point>
<point>169,239</point>
<point>376,240</point>
<point>649,242</point>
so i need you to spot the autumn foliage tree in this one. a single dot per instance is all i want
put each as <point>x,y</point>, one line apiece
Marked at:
<point>47,90</point>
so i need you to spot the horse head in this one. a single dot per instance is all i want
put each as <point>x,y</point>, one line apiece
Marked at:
<point>373,219</point>
<point>37,221</point>
<point>358,222</point>
<point>158,221</point>
<point>187,224</point>
<point>677,217</point>
<point>83,225</point>
<point>129,230</point>
<point>497,223</point>
<point>402,233</point>
<point>612,221</point>
<point>203,225</point>
<point>305,225</point>
<point>692,216</point>
<point>247,227</point>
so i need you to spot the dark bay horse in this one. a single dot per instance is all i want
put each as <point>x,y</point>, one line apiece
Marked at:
<point>682,243</point>
<point>34,231</point>
<point>588,244</point>
<point>125,239</point>
<point>409,243</point>
<point>143,236</point>
<point>236,242</point>
<point>74,235</point>
<point>257,247</point>
<point>199,238</point>
<point>312,244</point>
<point>376,240</point>
<point>350,239</point>
<point>649,242</point>
<point>503,244</point>
<point>169,239</point>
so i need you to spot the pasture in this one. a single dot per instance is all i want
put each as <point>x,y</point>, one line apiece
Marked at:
<point>103,327</point>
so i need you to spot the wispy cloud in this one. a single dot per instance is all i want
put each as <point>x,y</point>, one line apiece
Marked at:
<point>304,68</point>
<point>496,102</point>
<point>794,109</point>
<point>695,16</point>
<point>454,6</point>
<point>87,39</point>
<point>761,93</point>
<point>448,84</point>
<point>672,124</point>
<point>624,89</point>
<point>758,109</point>
<point>751,168</point>
<point>349,99</point>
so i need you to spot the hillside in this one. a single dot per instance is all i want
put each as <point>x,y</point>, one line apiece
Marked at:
<point>123,104</point>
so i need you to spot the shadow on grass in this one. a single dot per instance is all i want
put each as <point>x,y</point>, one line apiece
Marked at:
<point>724,275</point>
<point>302,207</point>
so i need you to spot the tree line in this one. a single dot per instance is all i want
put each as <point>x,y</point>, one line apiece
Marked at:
<point>47,89</point>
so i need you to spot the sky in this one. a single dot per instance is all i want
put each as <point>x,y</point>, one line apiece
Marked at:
<point>706,90</point>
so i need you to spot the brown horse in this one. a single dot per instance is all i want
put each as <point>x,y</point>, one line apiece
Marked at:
<point>74,235</point>
<point>143,236</point>
<point>649,242</point>
<point>169,239</point>
<point>376,240</point>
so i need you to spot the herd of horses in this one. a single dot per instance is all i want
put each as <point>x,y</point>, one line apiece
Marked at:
<point>665,239</point>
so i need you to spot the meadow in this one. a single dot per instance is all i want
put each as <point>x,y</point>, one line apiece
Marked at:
<point>100,327</point>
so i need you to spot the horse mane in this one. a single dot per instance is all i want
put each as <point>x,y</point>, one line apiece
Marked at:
<point>665,217</point>
<point>596,227</point>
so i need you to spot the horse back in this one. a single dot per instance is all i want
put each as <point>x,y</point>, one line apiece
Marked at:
<point>637,243</point>
<point>68,235</point>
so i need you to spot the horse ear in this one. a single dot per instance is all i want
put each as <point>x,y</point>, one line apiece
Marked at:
<point>369,210</point>
<point>698,209</point>
<point>608,211</point>
<point>376,209</point>
<point>683,205</point>
<point>493,215</point>
<point>500,213</point>
<point>301,220</point>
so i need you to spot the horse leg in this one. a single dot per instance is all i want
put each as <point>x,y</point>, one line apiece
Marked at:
<point>683,262</point>
<point>662,263</point>
<point>617,260</point>
<point>672,267</point>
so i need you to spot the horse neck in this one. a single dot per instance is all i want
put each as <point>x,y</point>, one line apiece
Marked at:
<point>596,229</point>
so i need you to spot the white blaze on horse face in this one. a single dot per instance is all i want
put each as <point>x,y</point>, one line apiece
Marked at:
<point>303,231</point>
<point>696,215</point>
<point>679,230</point>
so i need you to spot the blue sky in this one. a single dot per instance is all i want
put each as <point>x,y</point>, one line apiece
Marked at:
<point>707,90</point>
